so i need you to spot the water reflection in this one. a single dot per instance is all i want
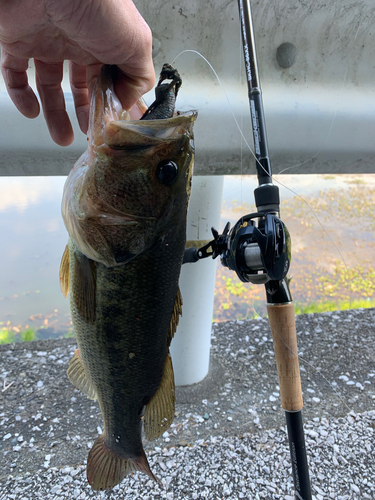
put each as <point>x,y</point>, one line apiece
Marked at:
<point>34,237</point>
<point>332,225</point>
<point>18,193</point>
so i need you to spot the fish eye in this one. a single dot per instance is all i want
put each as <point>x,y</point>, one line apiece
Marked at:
<point>166,172</point>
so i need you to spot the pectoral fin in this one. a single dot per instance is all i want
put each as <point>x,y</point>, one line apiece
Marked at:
<point>177,312</point>
<point>159,412</point>
<point>64,272</point>
<point>78,377</point>
<point>83,286</point>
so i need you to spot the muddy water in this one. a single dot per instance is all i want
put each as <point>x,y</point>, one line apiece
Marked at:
<point>34,237</point>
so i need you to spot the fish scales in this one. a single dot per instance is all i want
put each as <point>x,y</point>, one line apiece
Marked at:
<point>124,206</point>
<point>145,311</point>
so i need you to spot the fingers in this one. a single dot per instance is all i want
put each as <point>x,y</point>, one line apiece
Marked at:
<point>128,90</point>
<point>113,32</point>
<point>14,73</point>
<point>92,72</point>
<point>80,93</point>
<point>48,82</point>
<point>82,81</point>
<point>138,72</point>
<point>134,58</point>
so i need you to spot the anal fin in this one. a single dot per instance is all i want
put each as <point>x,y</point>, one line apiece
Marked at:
<point>77,375</point>
<point>159,412</point>
<point>105,468</point>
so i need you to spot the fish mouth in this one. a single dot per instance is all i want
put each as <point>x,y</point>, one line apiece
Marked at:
<point>130,134</point>
<point>158,124</point>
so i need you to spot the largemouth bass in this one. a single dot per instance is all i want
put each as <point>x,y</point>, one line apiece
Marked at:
<point>124,206</point>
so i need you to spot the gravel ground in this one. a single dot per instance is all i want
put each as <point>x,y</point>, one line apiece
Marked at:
<point>252,466</point>
<point>228,439</point>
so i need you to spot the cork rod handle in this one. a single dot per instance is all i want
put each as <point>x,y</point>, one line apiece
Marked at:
<point>284,334</point>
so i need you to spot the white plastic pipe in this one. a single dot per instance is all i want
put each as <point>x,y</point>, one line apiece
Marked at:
<point>190,347</point>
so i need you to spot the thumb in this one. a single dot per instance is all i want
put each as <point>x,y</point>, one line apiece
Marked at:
<point>130,89</point>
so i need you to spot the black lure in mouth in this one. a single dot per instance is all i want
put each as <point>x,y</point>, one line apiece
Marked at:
<point>165,93</point>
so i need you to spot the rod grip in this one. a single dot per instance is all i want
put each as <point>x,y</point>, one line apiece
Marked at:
<point>283,327</point>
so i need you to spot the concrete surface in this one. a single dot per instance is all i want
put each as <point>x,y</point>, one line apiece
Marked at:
<point>319,110</point>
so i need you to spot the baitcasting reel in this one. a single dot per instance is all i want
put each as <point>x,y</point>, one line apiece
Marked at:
<point>258,253</point>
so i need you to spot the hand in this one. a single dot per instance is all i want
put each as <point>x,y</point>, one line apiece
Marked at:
<point>88,33</point>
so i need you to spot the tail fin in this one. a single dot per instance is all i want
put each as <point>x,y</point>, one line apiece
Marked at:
<point>105,469</point>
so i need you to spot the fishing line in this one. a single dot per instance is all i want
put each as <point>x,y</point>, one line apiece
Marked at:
<point>252,152</point>
<point>281,184</point>
<point>332,122</point>
<point>328,382</point>
<point>252,306</point>
<point>226,96</point>
<point>250,149</point>
<point>326,139</point>
<point>278,181</point>
<point>232,112</point>
<point>241,116</point>
<point>317,371</point>
<point>321,374</point>
<point>314,156</point>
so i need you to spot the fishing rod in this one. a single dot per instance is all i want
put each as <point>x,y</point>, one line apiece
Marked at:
<point>280,306</point>
<point>258,249</point>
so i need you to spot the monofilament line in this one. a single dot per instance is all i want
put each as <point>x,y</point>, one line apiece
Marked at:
<point>252,152</point>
